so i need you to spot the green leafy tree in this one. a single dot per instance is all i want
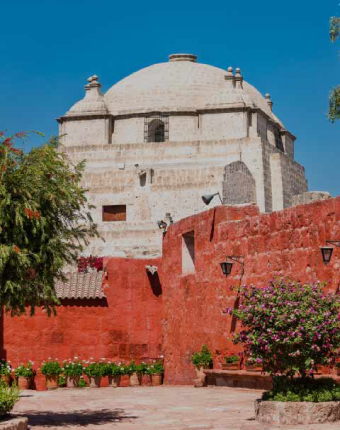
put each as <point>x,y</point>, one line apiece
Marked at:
<point>44,222</point>
<point>334,98</point>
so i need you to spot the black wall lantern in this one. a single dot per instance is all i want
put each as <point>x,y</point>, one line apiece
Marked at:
<point>226,266</point>
<point>327,251</point>
<point>208,197</point>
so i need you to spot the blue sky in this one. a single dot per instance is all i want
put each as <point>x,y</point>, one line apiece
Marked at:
<point>49,48</point>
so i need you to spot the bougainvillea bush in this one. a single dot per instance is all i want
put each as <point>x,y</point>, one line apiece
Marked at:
<point>289,327</point>
<point>44,222</point>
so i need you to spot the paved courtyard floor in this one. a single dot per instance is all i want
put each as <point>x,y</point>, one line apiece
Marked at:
<point>146,408</point>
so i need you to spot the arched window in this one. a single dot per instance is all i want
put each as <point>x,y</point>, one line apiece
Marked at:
<point>156,129</point>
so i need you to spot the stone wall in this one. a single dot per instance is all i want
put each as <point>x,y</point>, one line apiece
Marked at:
<point>281,243</point>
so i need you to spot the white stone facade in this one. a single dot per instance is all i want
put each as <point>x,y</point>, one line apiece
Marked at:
<point>164,136</point>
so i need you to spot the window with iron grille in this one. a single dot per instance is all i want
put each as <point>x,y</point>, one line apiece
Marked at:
<point>156,129</point>
<point>278,140</point>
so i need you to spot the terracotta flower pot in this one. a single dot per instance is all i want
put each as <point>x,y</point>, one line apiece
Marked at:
<point>230,366</point>
<point>157,379</point>
<point>146,380</point>
<point>124,381</point>
<point>200,372</point>
<point>94,381</point>
<point>114,381</point>
<point>6,379</point>
<point>52,382</point>
<point>24,383</point>
<point>72,381</point>
<point>134,380</point>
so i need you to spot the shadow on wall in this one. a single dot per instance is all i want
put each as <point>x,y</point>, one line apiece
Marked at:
<point>3,353</point>
<point>81,303</point>
<point>79,418</point>
<point>155,284</point>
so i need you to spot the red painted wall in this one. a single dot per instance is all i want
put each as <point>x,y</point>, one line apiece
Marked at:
<point>280,243</point>
<point>127,325</point>
<point>139,322</point>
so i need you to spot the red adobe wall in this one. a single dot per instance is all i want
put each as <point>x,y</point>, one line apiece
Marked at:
<point>280,243</point>
<point>126,326</point>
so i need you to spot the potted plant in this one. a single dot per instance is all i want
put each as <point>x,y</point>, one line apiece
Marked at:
<point>114,373</point>
<point>51,369</point>
<point>94,371</point>
<point>156,371</point>
<point>124,380</point>
<point>82,382</point>
<point>73,370</point>
<point>24,374</point>
<point>291,328</point>
<point>202,360</point>
<point>5,371</point>
<point>131,370</point>
<point>143,371</point>
<point>231,362</point>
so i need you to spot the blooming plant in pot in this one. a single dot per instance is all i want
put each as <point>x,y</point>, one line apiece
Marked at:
<point>5,371</point>
<point>202,360</point>
<point>156,371</point>
<point>131,370</point>
<point>231,362</point>
<point>94,371</point>
<point>73,370</point>
<point>24,374</point>
<point>51,369</point>
<point>114,372</point>
<point>144,373</point>
<point>291,328</point>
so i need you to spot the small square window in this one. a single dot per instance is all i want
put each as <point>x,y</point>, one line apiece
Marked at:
<point>188,253</point>
<point>114,213</point>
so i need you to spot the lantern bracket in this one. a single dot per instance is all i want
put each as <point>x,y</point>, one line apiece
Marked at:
<point>333,242</point>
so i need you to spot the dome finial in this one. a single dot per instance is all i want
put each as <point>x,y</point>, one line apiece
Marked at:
<point>238,78</point>
<point>183,57</point>
<point>229,77</point>
<point>268,100</point>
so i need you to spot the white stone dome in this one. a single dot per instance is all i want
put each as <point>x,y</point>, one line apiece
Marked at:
<point>180,85</point>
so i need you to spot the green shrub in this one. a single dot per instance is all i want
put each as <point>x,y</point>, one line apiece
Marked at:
<point>95,369</point>
<point>5,367</point>
<point>61,381</point>
<point>156,368</point>
<point>51,368</point>
<point>82,383</point>
<point>25,371</point>
<point>113,369</point>
<point>131,368</point>
<point>73,368</point>
<point>232,359</point>
<point>202,359</point>
<point>8,397</point>
<point>143,368</point>
<point>303,390</point>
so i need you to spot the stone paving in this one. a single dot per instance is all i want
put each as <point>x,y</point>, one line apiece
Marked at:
<point>146,408</point>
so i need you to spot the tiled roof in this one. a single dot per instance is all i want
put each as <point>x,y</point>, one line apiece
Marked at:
<point>81,286</point>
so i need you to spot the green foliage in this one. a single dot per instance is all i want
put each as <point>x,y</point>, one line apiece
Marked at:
<point>334,98</point>
<point>8,397</point>
<point>334,28</point>
<point>5,367</point>
<point>113,369</point>
<point>202,359</point>
<point>143,368</point>
<point>156,368</point>
<point>25,370</point>
<point>130,369</point>
<point>82,383</point>
<point>44,222</point>
<point>61,381</point>
<point>95,368</point>
<point>51,367</point>
<point>303,390</point>
<point>229,359</point>
<point>289,327</point>
<point>334,104</point>
<point>73,368</point>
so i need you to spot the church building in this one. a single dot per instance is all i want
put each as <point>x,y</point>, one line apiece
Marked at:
<point>163,137</point>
